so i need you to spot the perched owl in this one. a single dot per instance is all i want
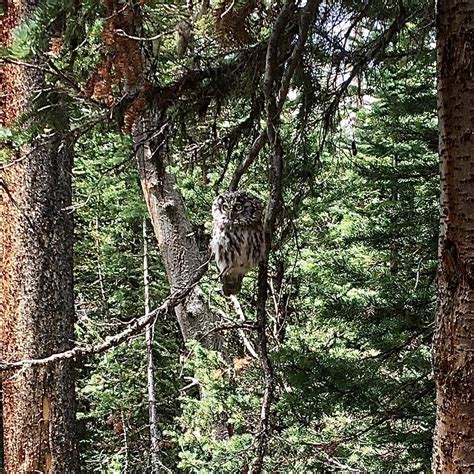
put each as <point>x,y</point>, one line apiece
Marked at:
<point>237,242</point>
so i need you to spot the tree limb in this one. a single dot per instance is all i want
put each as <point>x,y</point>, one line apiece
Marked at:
<point>273,105</point>
<point>307,17</point>
<point>134,327</point>
<point>276,173</point>
<point>370,53</point>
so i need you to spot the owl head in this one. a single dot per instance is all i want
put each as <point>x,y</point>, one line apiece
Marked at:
<point>237,209</point>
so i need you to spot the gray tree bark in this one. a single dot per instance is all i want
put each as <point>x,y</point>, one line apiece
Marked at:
<point>174,234</point>
<point>453,346</point>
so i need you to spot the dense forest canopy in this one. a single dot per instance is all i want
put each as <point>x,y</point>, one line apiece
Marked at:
<point>326,111</point>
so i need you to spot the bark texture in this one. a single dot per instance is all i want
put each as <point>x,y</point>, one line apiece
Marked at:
<point>174,233</point>
<point>37,288</point>
<point>453,349</point>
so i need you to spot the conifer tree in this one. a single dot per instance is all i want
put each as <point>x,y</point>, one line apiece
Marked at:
<point>37,282</point>
<point>453,348</point>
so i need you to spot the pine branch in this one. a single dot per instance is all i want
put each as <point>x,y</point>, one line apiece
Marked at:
<point>307,17</point>
<point>371,53</point>
<point>50,68</point>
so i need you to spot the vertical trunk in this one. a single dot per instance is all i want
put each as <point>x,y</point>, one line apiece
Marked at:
<point>394,253</point>
<point>152,415</point>
<point>173,231</point>
<point>178,246</point>
<point>37,287</point>
<point>38,312</point>
<point>453,350</point>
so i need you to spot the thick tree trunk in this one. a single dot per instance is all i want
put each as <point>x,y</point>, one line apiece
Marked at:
<point>453,351</point>
<point>175,236</point>
<point>37,288</point>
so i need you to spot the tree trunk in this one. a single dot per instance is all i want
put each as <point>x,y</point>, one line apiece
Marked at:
<point>37,288</point>
<point>453,347</point>
<point>174,233</point>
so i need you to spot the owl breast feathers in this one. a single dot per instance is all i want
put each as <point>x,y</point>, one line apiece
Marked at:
<point>237,242</point>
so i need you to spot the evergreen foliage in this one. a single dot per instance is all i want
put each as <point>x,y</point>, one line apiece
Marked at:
<point>352,357</point>
<point>352,271</point>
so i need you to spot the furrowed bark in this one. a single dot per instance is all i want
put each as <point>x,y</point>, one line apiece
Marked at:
<point>38,314</point>
<point>453,345</point>
<point>37,287</point>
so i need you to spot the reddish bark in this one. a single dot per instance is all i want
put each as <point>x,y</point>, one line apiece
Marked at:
<point>453,349</point>
<point>37,286</point>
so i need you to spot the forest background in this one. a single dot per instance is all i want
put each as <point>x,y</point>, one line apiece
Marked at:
<point>349,314</point>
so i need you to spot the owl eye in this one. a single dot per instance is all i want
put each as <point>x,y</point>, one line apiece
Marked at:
<point>225,207</point>
<point>238,207</point>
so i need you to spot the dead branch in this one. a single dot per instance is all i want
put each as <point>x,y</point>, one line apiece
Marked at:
<point>134,327</point>
<point>276,173</point>
<point>307,17</point>
<point>245,164</point>
<point>48,67</point>
<point>120,32</point>
<point>273,106</point>
<point>371,53</point>
<point>245,340</point>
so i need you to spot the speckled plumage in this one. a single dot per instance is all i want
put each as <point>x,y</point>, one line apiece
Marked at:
<point>237,242</point>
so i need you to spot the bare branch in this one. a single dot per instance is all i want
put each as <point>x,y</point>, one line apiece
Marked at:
<point>307,17</point>
<point>245,164</point>
<point>245,340</point>
<point>273,106</point>
<point>276,172</point>
<point>121,32</point>
<point>133,328</point>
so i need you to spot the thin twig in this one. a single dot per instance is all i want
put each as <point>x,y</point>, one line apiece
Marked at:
<point>245,340</point>
<point>121,32</point>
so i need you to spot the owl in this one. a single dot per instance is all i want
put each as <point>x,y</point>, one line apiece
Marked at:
<point>238,242</point>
